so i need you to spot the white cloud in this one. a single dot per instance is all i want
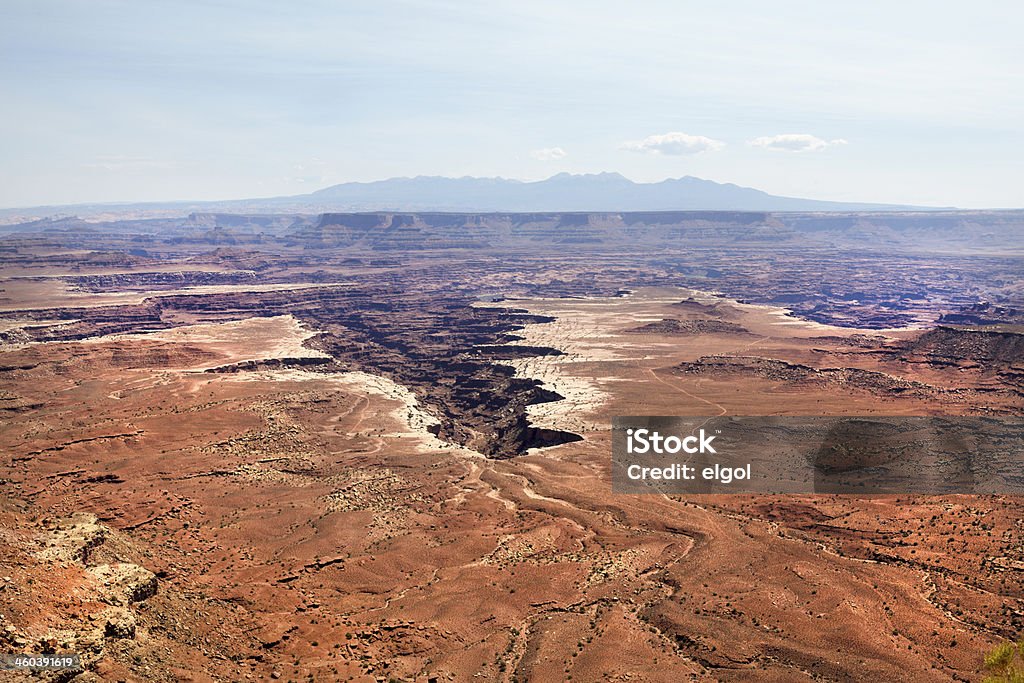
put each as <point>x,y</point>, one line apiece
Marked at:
<point>549,154</point>
<point>675,144</point>
<point>794,142</point>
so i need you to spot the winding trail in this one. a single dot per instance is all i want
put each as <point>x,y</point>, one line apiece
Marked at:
<point>717,406</point>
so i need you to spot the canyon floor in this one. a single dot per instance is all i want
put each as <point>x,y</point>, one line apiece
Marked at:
<point>398,469</point>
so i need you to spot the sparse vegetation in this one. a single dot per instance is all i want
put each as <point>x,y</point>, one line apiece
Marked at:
<point>1005,663</point>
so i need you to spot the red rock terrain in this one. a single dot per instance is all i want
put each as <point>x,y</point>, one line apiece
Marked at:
<point>367,469</point>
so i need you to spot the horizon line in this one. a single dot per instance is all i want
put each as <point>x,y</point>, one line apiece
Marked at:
<point>616,174</point>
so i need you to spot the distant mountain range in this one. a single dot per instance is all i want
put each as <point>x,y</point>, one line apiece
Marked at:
<point>567,192</point>
<point>562,192</point>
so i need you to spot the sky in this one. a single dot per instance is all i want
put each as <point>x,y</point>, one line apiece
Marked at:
<point>904,102</point>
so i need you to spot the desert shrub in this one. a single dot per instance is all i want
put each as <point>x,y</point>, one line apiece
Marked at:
<point>1005,663</point>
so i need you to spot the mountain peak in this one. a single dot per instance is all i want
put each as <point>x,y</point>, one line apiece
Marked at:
<point>602,176</point>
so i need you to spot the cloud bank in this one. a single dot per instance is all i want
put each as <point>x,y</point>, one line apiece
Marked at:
<point>674,144</point>
<point>794,142</point>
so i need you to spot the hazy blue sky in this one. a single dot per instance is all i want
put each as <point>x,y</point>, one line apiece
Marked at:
<point>915,102</point>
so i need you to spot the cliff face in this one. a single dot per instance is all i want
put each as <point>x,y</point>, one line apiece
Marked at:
<point>672,326</point>
<point>511,231</point>
<point>508,230</point>
<point>952,346</point>
<point>985,314</point>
